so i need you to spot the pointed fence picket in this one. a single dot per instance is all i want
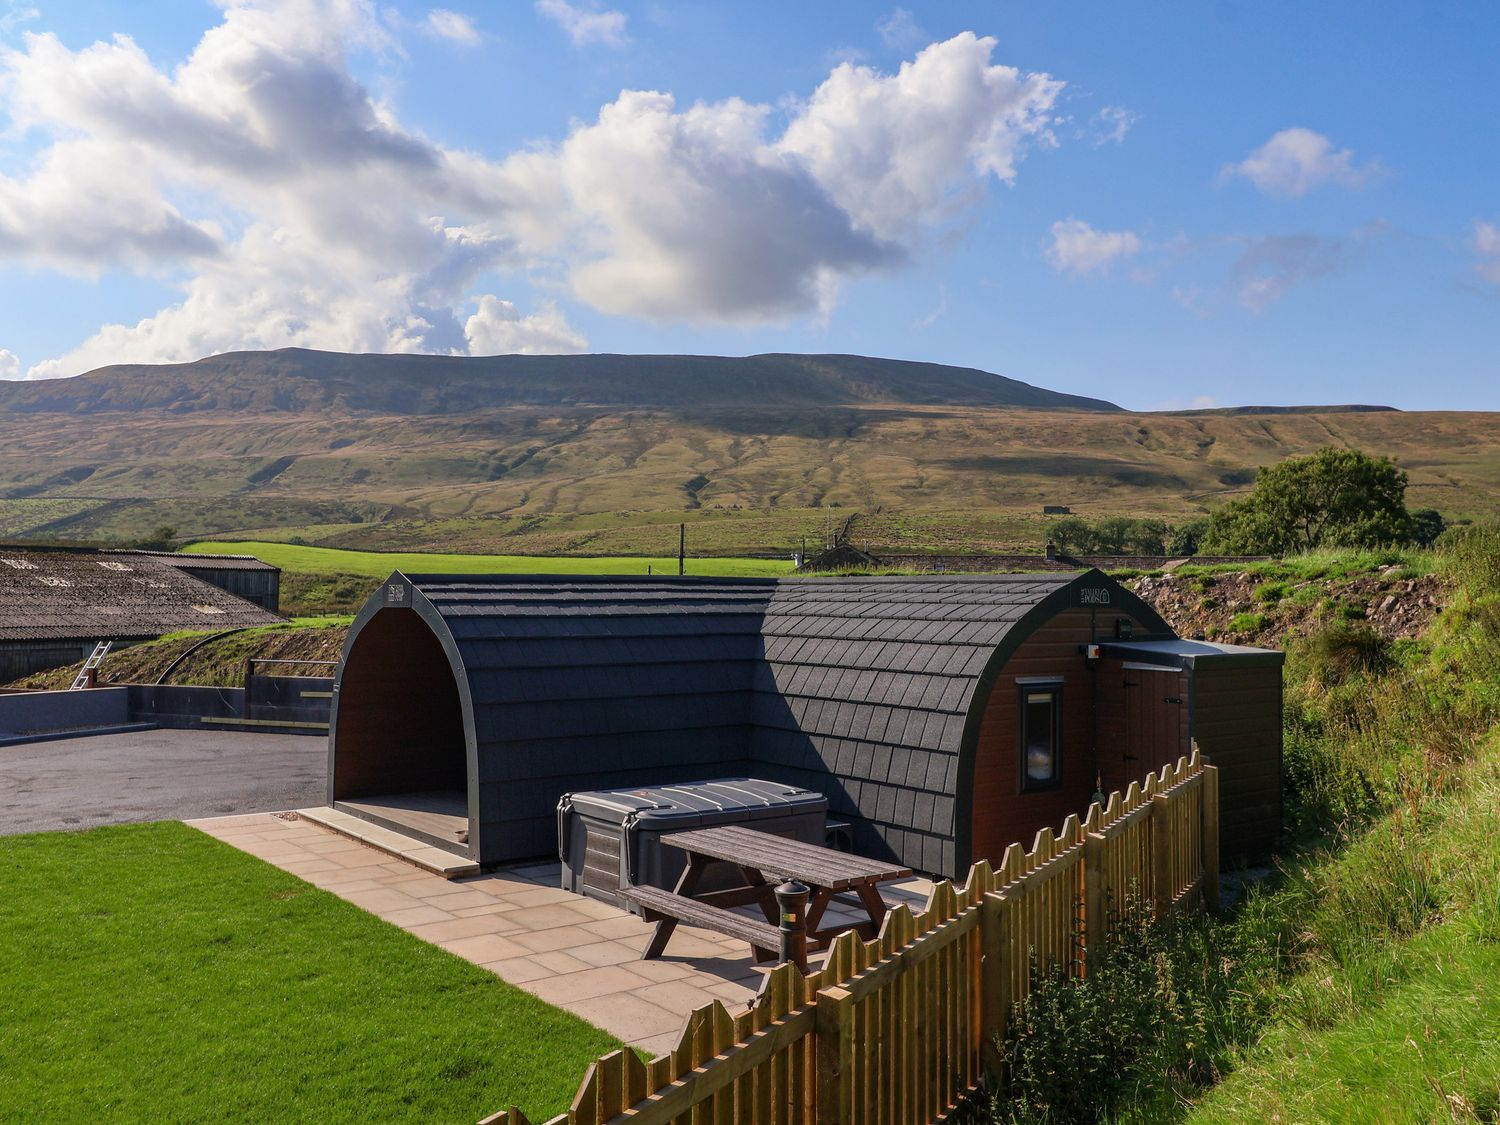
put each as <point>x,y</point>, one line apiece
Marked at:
<point>900,1029</point>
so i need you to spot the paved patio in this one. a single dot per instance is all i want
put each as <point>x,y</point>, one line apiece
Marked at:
<point>571,951</point>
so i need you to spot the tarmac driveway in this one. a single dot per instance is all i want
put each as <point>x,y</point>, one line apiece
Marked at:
<point>157,775</point>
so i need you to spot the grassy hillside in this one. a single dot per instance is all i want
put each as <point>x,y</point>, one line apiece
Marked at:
<point>379,564</point>
<point>436,453</point>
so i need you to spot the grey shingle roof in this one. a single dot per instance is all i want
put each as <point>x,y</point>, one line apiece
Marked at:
<point>95,595</point>
<point>200,561</point>
<point>860,688</point>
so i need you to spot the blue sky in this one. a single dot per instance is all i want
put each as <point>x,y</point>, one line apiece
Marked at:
<point>1164,205</point>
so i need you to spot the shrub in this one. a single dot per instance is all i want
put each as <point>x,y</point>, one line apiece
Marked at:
<point>1247,622</point>
<point>1270,592</point>
<point>1332,655</point>
<point>1149,1011</point>
<point>1209,602</point>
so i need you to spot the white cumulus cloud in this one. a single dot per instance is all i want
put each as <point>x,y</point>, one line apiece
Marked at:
<point>1297,161</point>
<point>1078,248</point>
<point>10,365</point>
<point>898,150</point>
<point>292,207</point>
<point>498,328</point>
<point>453,26</point>
<point>585,24</point>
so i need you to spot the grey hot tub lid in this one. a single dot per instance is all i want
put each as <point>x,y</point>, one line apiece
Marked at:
<point>687,804</point>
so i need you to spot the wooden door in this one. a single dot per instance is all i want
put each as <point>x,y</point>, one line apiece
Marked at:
<point>1143,710</point>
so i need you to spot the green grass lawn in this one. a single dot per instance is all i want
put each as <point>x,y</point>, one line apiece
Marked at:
<point>379,564</point>
<point>151,973</point>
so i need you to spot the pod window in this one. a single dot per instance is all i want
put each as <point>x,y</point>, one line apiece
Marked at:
<point>1041,736</point>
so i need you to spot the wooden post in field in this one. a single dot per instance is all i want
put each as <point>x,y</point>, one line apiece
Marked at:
<point>1161,853</point>
<point>835,1031</point>
<point>681,549</point>
<point>1211,836</point>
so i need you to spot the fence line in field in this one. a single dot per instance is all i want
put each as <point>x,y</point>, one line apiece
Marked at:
<point>900,1028</point>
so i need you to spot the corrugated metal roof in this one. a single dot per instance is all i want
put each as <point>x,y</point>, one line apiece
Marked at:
<point>865,683</point>
<point>201,562</point>
<point>95,595</point>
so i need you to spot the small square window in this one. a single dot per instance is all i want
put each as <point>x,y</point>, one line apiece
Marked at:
<point>1041,736</point>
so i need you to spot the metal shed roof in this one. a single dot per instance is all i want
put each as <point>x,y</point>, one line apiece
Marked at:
<point>94,595</point>
<point>197,561</point>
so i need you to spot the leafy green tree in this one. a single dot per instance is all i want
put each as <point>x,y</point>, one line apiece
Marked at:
<point>1183,539</point>
<point>1332,498</point>
<point>164,538</point>
<point>1426,525</point>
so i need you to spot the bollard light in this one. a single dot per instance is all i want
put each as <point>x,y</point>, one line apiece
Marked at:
<point>791,900</point>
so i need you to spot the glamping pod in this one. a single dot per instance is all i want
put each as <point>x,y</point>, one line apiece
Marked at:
<point>943,717</point>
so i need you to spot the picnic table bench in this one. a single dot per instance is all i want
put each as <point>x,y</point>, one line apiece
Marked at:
<point>762,860</point>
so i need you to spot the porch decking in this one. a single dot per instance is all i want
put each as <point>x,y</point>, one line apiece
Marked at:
<point>439,818</point>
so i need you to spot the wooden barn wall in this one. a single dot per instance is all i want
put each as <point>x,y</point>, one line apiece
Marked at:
<point>1237,724</point>
<point>1002,814</point>
<point>22,658</point>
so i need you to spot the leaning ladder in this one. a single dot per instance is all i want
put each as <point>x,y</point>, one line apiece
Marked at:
<point>101,650</point>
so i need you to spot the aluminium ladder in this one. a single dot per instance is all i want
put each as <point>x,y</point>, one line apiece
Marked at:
<point>101,650</point>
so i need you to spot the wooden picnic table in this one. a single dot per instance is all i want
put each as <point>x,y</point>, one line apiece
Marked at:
<point>763,860</point>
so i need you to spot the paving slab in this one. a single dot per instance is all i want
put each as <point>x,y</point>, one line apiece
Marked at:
<point>573,952</point>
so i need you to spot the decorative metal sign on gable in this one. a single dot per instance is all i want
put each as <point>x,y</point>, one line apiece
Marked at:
<point>398,594</point>
<point>1095,595</point>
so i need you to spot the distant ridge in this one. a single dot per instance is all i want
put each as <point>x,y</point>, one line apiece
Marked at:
<point>1346,408</point>
<point>296,380</point>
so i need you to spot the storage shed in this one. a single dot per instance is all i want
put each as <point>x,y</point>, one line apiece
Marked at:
<point>57,603</point>
<point>943,718</point>
<point>244,576</point>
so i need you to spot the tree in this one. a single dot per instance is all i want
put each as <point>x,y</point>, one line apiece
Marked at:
<point>162,539</point>
<point>1332,498</point>
<point>1183,539</point>
<point>1426,525</point>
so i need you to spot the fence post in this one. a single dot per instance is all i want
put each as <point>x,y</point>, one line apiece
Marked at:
<point>1211,836</point>
<point>1093,899</point>
<point>994,996</point>
<point>1161,853</point>
<point>835,1031</point>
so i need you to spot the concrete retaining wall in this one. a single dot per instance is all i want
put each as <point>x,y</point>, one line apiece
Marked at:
<point>44,712</point>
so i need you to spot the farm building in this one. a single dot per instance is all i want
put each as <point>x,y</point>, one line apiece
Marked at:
<point>244,576</point>
<point>943,718</point>
<point>56,604</point>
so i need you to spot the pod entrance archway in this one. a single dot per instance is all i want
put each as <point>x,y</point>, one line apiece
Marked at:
<point>398,754</point>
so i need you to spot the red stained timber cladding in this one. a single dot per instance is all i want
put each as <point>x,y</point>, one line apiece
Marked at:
<point>1002,814</point>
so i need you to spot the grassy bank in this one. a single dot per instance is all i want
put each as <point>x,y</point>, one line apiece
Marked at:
<point>151,973</point>
<point>379,564</point>
<point>1358,981</point>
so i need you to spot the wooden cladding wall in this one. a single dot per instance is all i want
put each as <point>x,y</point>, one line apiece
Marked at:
<point>1001,812</point>
<point>1237,724</point>
<point>899,1029</point>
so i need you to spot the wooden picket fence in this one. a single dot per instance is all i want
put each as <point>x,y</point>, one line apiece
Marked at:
<point>900,1029</point>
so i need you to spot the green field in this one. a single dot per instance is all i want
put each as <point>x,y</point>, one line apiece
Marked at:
<point>152,973</point>
<point>379,564</point>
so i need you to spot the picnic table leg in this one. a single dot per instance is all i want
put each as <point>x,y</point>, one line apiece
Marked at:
<point>873,903</point>
<point>821,897</point>
<point>754,878</point>
<point>686,882</point>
